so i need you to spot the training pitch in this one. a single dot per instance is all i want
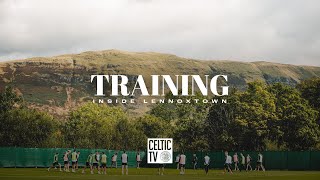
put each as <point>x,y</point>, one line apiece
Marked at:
<point>152,174</point>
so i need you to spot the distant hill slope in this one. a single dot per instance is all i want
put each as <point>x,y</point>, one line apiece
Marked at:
<point>59,83</point>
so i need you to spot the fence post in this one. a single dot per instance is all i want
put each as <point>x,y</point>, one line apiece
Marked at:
<point>287,160</point>
<point>15,157</point>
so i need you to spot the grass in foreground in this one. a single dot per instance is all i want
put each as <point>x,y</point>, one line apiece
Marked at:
<point>151,174</point>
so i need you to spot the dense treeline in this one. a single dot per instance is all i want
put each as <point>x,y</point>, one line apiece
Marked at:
<point>264,117</point>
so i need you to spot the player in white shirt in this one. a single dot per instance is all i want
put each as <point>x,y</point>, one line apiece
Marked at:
<point>182,163</point>
<point>96,162</point>
<point>227,164</point>
<point>114,160</point>
<point>248,163</point>
<point>236,162</point>
<point>124,160</point>
<point>259,162</point>
<point>66,161</point>
<point>77,163</point>
<point>138,159</point>
<point>177,160</point>
<point>206,163</point>
<point>243,162</point>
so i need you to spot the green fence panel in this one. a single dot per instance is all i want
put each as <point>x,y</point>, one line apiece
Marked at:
<point>275,159</point>
<point>315,160</point>
<point>7,157</point>
<point>299,160</point>
<point>43,157</point>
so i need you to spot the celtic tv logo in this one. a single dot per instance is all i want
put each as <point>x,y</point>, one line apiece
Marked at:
<point>159,150</point>
<point>165,156</point>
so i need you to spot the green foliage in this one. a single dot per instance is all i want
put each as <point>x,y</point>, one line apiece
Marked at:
<point>262,115</point>
<point>92,125</point>
<point>26,128</point>
<point>222,131</point>
<point>8,99</point>
<point>257,111</point>
<point>310,90</point>
<point>20,126</point>
<point>297,118</point>
<point>187,121</point>
<point>95,126</point>
<point>152,126</point>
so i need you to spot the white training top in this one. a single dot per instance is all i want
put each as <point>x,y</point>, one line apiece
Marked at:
<point>182,159</point>
<point>243,159</point>
<point>248,158</point>
<point>177,158</point>
<point>260,158</point>
<point>65,157</point>
<point>98,157</point>
<point>228,160</point>
<point>138,157</point>
<point>114,157</point>
<point>235,158</point>
<point>124,158</point>
<point>206,160</point>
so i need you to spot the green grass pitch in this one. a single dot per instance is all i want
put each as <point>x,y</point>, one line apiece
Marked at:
<point>151,174</point>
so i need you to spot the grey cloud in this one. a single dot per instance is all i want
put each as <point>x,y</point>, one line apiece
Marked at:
<point>246,30</point>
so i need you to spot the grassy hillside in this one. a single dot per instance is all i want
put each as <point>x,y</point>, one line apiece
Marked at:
<point>60,83</point>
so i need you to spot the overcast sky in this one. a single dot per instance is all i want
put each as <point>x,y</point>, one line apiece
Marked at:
<point>244,30</point>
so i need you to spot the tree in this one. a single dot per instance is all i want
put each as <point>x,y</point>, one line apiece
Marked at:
<point>310,90</point>
<point>242,124</point>
<point>20,126</point>
<point>152,126</point>
<point>128,137</point>
<point>297,119</point>
<point>26,128</point>
<point>257,112</point>
<point>101,126</point>
<point>221,124</point>
<point>8,99</point>
<point>92,125</point>
<point>187,120</point>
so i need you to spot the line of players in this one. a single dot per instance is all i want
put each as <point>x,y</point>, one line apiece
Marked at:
<point>97,161</point>
<point>240,162</point>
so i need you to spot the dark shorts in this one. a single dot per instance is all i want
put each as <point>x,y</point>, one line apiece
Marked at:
<point>103,164</point>
<point>182,165</point>
<point>66,162</point>
<point>87,164</point>
<point>258,163</point>
<point>73,163</point>
<point>161,165</point>
<point>55,163</point>
<point>113,162</point>
<point>95,165</point>
<point>124,164</point>
<point>227,165</point>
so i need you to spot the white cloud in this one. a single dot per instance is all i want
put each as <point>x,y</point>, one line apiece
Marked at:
<point>247,30</point>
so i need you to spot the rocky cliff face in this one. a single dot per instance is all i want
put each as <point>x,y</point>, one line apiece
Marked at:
<point>58,84</point>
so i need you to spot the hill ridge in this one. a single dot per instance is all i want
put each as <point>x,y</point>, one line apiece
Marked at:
<point>60,83</point>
